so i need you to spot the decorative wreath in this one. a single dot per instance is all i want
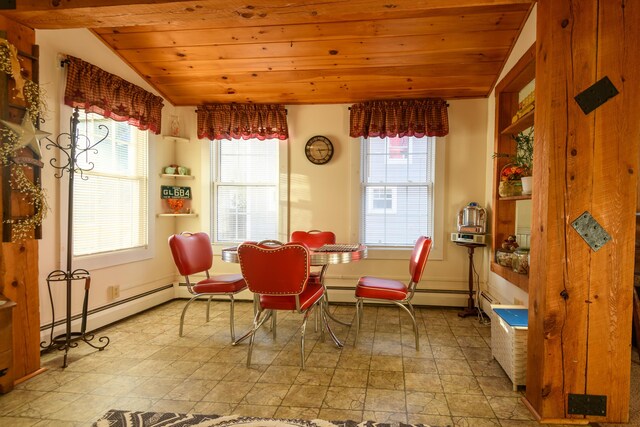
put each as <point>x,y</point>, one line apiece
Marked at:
<point>32,193</point>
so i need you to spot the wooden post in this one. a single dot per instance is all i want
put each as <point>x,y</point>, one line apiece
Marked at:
<point>580,298</point>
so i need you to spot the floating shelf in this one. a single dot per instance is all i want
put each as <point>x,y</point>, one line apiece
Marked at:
<point>524,122</point>
<point>179,214</point>
<point>521,197</point>
<point>170,138</point>
<point>168,175</point>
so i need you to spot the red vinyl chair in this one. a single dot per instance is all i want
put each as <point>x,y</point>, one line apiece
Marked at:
<point>377,289</point>
<point>314,239</point>
<point>279,279</point>
<point>193,254</point>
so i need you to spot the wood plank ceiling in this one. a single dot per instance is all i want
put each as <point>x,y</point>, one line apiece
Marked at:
<point>282,51</point>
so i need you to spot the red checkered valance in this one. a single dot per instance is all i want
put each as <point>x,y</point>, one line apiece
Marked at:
<point>420,117</point>
<point>235,121</point>
<point>97,91</point>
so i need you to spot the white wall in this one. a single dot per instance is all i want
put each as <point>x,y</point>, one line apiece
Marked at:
<point>503,290</point>
<point>324,197</point>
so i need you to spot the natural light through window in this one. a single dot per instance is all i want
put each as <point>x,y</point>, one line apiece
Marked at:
<point>110,200</point>
<point>397,190</point>
<point>245,190</point>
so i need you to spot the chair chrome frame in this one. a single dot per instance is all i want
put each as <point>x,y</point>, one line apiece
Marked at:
<point>417,262</point>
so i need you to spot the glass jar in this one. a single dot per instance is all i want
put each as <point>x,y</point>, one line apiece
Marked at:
<point>504,257</point>
<point>520,261</point>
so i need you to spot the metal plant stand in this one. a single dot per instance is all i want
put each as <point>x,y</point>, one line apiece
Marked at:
<point>69,164</point>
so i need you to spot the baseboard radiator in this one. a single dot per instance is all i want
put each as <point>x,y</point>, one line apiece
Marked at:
<point>485,300</point>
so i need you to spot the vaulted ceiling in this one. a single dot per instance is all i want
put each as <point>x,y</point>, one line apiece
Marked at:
<point>298,52</point>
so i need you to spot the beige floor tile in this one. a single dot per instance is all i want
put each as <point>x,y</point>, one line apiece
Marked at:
<point>179,406</point>
<point>386,363</point>
<point>447,352</point>
<point>191,390</point>
<point>350,378</point>
<point>297,413</point>
<point>133,403</point>
<point>423,366</point>
<point>154,388</point>
<point>465,405</point>
<point>429,420</point>
<point>266,394</point>
<point>214,408</point>
<point>509,408</point>
<point>422,382</point>
<point>256,410</point>
<point>476,422</point>
<point>240,373</point>
<point>349,398</point>
<point>45,405</point>
<point>228,392</point>
<point>212,371</point>
<point>340,415</point>
<point>305,396</point>
<point>19,421</point>
<point>453,367</point>
<point>497,386</point>
<point>420,402</point>
<point>279,375</point>
<point>86,409</point>
<point>460,384</point>
<point>315,376</point>
<point>385,400</point>
<point>386,380</point>
<point>385,417</point>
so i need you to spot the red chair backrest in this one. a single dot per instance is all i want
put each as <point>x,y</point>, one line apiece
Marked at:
<point>269,270</point>
<point>192,252</point>
<point>419,258</point>
<point>314,238</point>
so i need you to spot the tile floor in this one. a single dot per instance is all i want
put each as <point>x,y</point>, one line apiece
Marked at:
<point>452,380</point>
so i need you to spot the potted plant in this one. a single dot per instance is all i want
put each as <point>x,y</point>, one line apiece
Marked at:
<point>521,165</point>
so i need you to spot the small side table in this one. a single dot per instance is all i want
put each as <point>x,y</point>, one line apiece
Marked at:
<point>6,345</point>
<point>470,310</point>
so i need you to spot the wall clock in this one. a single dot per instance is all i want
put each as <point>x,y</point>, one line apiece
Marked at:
<point>319,150</point>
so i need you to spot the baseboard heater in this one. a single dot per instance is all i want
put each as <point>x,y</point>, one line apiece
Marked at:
<point>486,300</point>
<point>106,307</point>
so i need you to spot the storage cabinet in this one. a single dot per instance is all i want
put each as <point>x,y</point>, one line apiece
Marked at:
<point>504,208</point>
<point>6,345</point>
<point>174,181</point>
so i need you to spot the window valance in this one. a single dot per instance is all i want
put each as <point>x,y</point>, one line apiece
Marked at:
<point>97,91</point>
<point>399,118</point>
<point>235,121</point>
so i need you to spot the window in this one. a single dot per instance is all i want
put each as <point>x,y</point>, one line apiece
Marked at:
<point>397,190</point>
<point>110,209</point>
<point>245,190</point>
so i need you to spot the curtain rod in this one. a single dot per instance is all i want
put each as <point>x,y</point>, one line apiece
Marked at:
<point>446,105</point>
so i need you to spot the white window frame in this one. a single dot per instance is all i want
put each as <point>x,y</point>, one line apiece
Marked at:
<point>113,258</point>
<point>400,253</point>
<point>282,193</point>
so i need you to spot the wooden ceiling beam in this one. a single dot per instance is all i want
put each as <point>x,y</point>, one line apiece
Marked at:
<point>43,14</point>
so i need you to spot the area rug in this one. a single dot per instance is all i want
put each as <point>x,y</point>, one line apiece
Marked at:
<point>117,418</point>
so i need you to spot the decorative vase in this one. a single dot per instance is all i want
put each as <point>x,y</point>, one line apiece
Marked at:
<point>527,184</point>
<point>510,188</point>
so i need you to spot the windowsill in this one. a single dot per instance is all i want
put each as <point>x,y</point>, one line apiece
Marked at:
<point>111,259</point>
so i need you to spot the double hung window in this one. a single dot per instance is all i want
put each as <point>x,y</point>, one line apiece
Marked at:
<point>397,190</point>
<point>110,195</point>
<point>245,199</point>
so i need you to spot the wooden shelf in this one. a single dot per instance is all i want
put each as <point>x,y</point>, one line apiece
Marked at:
<point>521,197</point>
<point>520,280</point>
<point>524,122</point>
<point>179,214</point>
<point>168,175</point>
<point>170,138</point>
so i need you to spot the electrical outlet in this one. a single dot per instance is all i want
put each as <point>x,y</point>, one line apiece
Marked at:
<point>114,292</point>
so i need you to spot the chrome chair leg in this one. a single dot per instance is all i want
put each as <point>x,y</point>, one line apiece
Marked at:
<point>233,330</point>
<point>302,330</point>
<point>413,319</point>
<point>325,320</point>
<point>274,316</point>
<point>209,306</point>
<point>257,323</point>
<point>184,311</point>
<point>358,303</point>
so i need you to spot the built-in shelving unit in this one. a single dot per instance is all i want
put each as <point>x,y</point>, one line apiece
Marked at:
<point>178,214</point>
<point>177,190</point>
<point>504,208</point>
<point>176,176</point>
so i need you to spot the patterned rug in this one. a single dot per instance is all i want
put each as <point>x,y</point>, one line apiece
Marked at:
<point>117,418</point>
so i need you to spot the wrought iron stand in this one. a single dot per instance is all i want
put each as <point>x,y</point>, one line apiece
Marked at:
<point>70,339</point>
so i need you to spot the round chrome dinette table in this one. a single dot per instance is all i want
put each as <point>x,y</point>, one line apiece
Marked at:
<point>320,257</point>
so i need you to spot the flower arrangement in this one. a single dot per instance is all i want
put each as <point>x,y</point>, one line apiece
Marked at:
<point>175,205</point>
<point>511,172</point>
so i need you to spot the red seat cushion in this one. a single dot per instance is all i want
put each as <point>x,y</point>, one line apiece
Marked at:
<point>308,297</point>
<point>223,283</point>
<point>376,288</point>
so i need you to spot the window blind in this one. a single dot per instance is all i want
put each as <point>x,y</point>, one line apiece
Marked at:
<point>110,200</point>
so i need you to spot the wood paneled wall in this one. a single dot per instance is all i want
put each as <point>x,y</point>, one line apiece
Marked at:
<point>581,299</point>
<point>19,261</point>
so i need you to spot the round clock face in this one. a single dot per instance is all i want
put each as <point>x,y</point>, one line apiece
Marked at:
<point>319,150</point>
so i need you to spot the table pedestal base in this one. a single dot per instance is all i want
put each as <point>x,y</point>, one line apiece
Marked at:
<point>468,312</point>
